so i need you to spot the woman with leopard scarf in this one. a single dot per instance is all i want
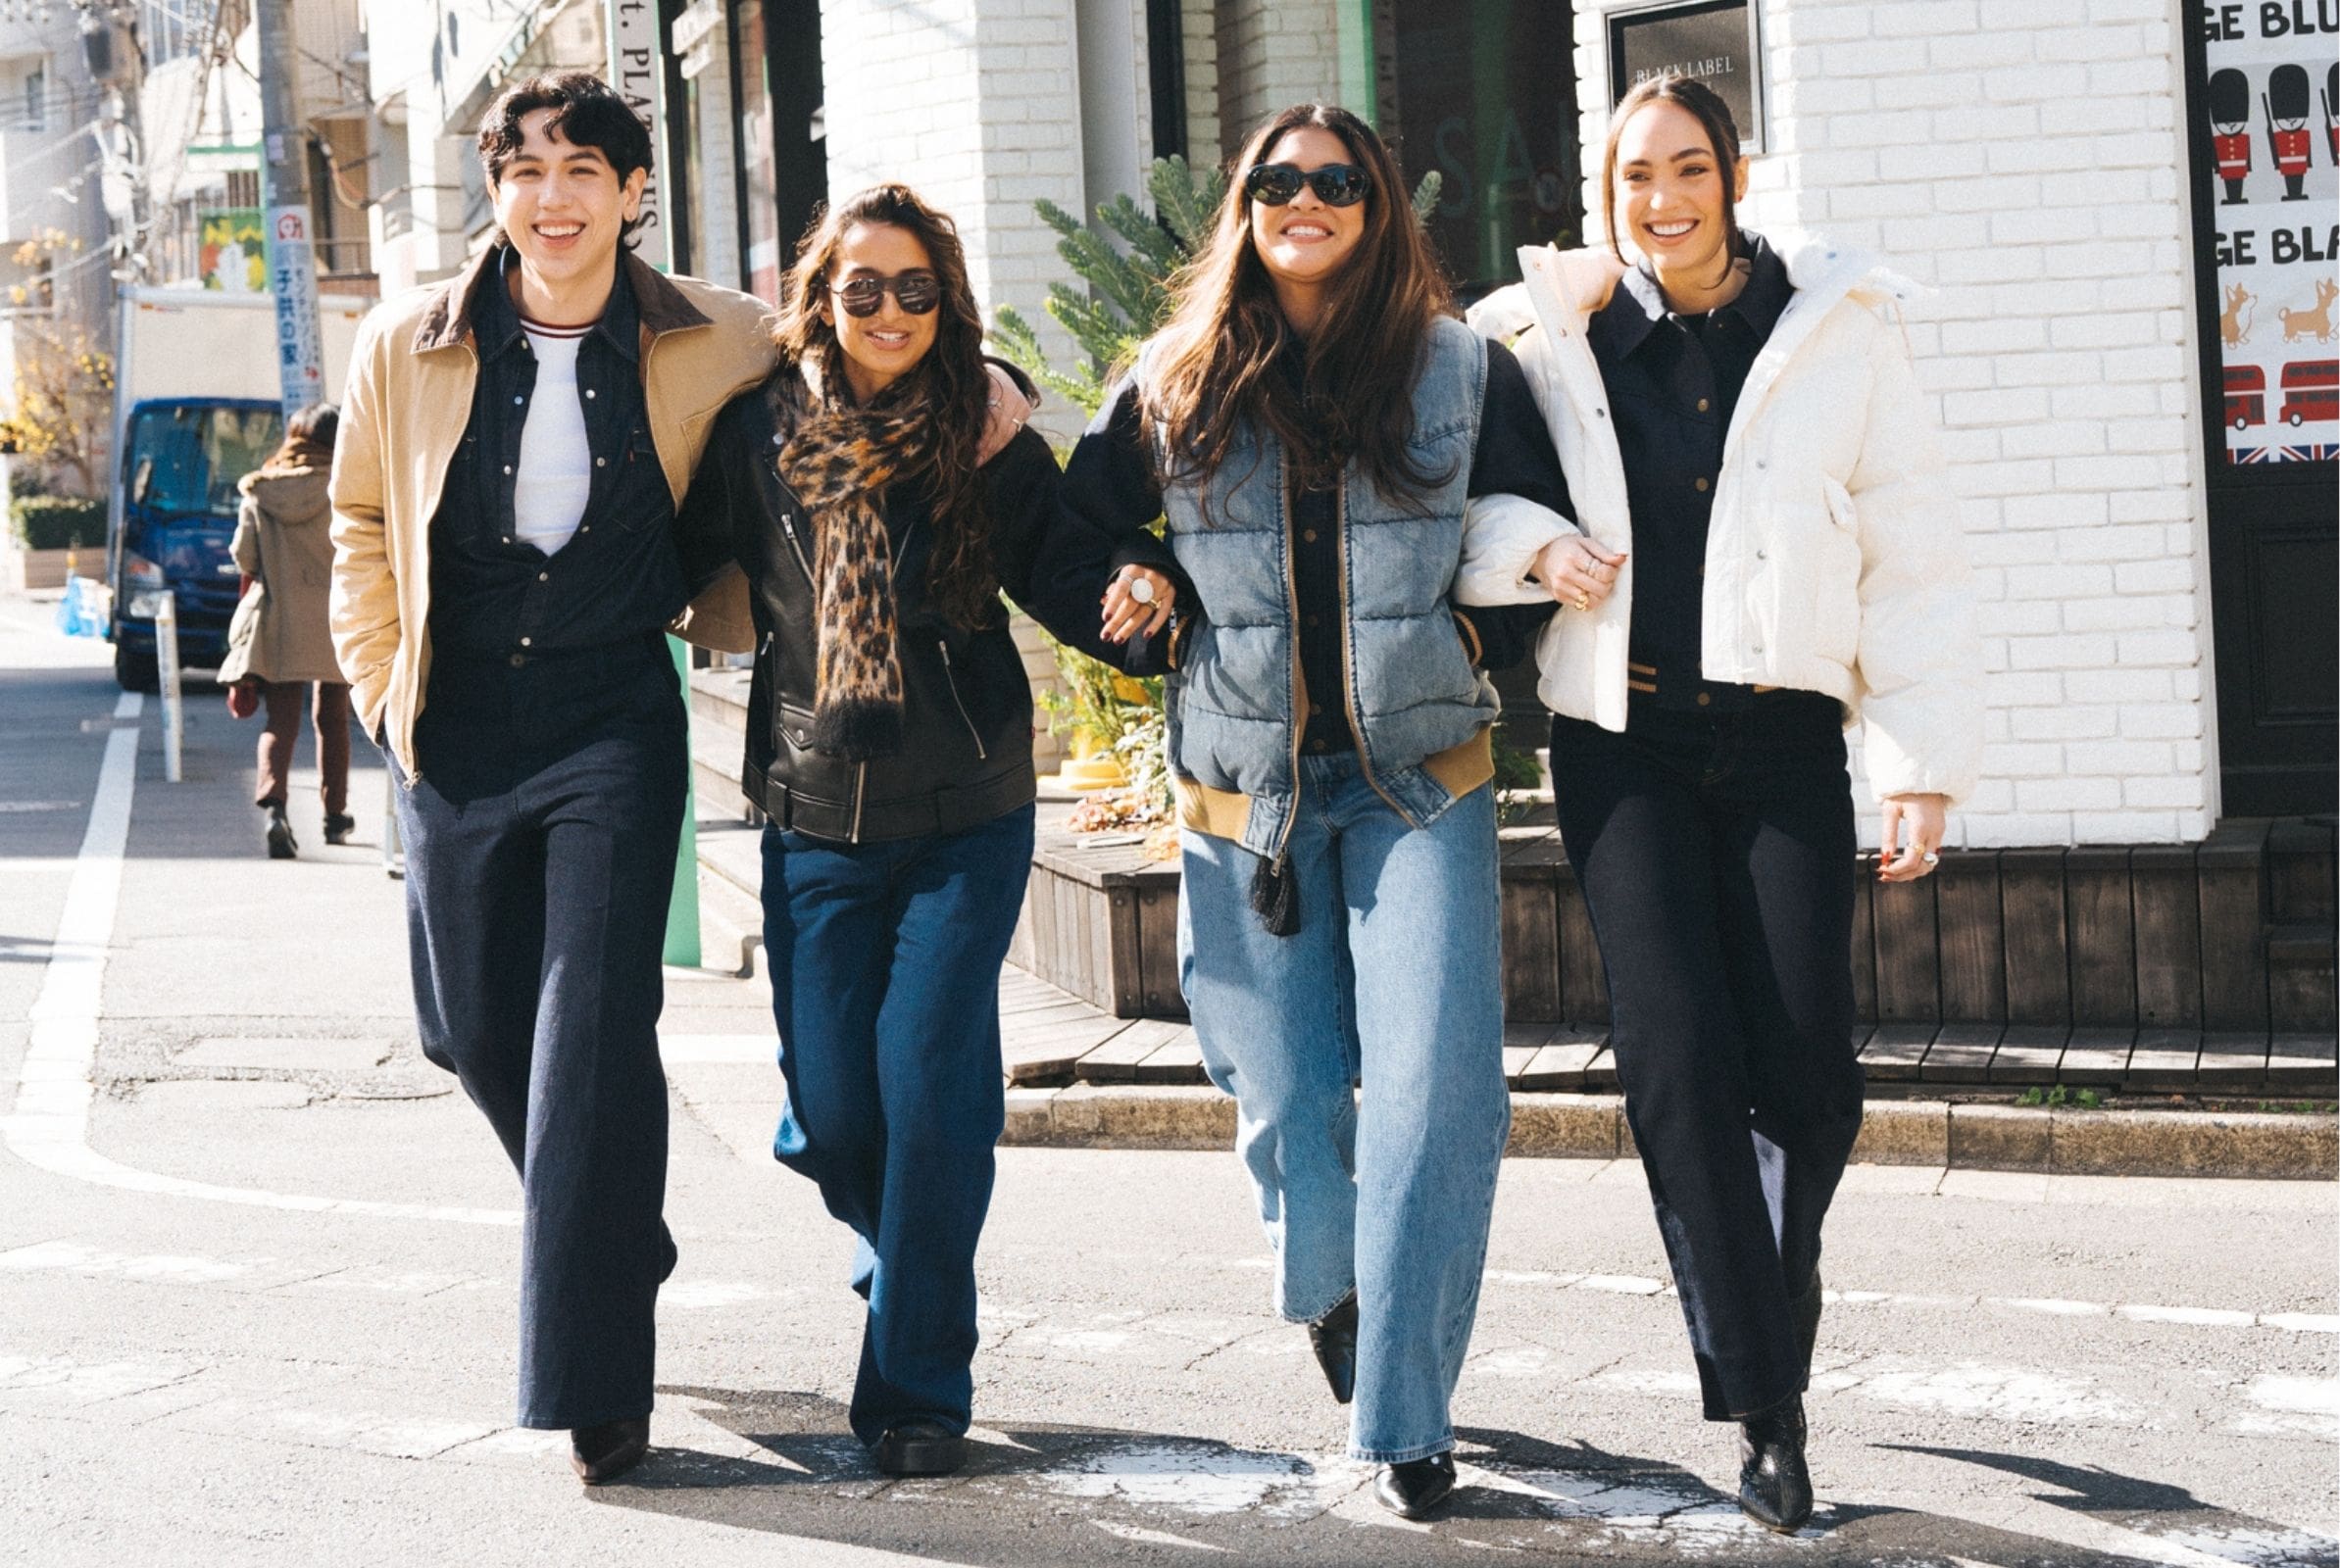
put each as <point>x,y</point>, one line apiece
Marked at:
<point>880,493</point>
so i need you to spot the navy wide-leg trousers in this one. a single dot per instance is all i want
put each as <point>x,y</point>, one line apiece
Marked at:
<point>541,831</point>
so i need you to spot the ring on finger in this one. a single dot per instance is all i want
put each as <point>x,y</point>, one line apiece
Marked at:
<point>1583,600</point>
<point>1932,858</point>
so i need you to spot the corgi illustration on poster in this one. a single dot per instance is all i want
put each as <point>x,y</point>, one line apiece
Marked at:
<point>2234,321</point>
<point>2315,324</point>
<point>2285,103</point>
<point>2230,130</point>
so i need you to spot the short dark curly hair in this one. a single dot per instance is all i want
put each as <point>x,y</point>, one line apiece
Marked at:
<point>587,111</point>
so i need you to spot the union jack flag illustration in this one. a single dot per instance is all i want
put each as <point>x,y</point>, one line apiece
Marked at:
<point>2321,452</point>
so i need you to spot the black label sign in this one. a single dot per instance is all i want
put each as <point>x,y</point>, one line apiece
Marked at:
<point>1713,41</point>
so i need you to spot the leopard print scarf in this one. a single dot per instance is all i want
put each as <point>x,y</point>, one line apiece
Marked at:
<point>840,461</point>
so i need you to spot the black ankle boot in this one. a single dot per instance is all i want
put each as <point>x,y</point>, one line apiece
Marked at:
<point>339,827</point>
<point>1417,1489</point>
<point>1774,1486</point>
<point>1333,1336</point>
<point>282,846</point>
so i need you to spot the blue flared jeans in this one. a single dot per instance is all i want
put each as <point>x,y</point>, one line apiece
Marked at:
<point>1392,982</point>
<point>885,961</point>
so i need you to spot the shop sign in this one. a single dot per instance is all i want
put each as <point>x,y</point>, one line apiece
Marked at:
<point>693,34</point>
<point>1716,42</point>
<point>2273,189</point>
<point>637,69</point>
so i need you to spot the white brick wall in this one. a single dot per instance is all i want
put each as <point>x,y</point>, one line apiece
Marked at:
<point>2020,157</point>
<point>1202,123</point>
<point>1272,54</point>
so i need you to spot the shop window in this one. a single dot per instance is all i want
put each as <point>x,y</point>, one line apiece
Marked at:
<point>1484,92</point>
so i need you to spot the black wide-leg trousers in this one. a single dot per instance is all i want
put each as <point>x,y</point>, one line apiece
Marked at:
<point>1716,850</point>
<point>540,834</point>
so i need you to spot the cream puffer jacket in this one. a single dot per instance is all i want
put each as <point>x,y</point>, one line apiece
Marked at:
<point>1834,561</point>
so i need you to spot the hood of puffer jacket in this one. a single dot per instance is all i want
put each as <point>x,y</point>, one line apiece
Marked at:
<point>290,496</point>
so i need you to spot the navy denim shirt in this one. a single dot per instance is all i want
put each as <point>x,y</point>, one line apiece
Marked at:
<point>1673,382</point>
<point>620,576</point>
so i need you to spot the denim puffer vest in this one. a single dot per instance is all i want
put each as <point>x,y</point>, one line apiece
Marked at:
<point>1234,704</point>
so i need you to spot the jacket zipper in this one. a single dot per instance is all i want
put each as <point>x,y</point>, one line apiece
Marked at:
<point>789,527</point>
<point>1283,841</point>
<point>951,680</point>
<point>1365,752</point>
<point>861,786</point>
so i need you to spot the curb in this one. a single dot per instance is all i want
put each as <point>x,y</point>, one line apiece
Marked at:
<point>1893,1132</point>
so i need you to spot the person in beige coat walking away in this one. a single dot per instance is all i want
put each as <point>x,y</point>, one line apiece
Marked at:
<point>280,644</point>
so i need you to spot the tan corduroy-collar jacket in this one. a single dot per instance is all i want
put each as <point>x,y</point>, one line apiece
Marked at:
<point>409,398</point>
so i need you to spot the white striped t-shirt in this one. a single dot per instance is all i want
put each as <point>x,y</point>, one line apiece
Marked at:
<point>556,462</point>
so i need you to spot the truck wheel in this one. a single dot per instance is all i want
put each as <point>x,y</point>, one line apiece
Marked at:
<point>137,673</point>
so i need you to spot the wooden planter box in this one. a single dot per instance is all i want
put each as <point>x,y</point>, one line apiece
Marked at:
<point>1102,923</point>
<point>2195,967</point>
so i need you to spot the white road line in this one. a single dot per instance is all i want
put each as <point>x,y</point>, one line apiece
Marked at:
<point>49,1126</point>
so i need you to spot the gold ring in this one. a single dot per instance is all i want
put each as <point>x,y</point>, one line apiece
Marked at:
<point>1583,600</point>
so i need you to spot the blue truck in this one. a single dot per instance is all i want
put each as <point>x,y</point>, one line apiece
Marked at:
<point>196,408</point>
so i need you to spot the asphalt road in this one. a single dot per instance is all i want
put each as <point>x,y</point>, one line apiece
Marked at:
<point>257,1290</point>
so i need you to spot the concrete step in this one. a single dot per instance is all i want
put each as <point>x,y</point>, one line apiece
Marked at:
<point>718,699</point>
<point>730,923</point>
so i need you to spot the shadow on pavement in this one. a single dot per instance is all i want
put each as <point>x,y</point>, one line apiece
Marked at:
<point>1035,1495</point>
<point>2155,1509</point>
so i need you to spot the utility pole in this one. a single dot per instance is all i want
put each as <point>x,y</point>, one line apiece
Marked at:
<point>287,220</point>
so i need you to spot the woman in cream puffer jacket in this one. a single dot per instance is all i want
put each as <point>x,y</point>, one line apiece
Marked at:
<point>1763,551</point>
<point>1834,561</point>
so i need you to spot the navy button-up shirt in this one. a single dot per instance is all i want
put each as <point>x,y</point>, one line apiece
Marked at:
<point>620,576</point>
<point>1673,382</point>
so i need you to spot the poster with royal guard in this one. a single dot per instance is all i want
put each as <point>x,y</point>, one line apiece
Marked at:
<point>2273,106</point>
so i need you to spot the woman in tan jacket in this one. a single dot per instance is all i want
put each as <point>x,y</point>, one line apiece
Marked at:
<point>281,643</point>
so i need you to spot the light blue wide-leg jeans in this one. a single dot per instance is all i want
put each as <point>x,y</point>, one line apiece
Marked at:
<point>1392,981</point>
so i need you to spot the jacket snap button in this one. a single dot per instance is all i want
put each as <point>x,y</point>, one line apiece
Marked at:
<point>1702,486</point>
<point>1760,463</point>
<point>1760,555</point>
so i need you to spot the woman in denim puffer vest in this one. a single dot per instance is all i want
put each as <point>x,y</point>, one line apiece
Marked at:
<point>1316,424</point>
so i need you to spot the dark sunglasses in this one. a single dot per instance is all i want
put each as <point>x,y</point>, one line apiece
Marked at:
<point>918,293</point>
<point>1335,184</point>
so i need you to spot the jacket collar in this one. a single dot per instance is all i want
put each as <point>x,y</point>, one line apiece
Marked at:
<point>661,306</point>
<point>1637,305</point>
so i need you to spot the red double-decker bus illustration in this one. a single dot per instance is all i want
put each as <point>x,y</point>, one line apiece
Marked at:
<point>2311,391</point>
<point>2246,396</point>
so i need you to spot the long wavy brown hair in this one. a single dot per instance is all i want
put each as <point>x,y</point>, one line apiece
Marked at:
<point>1214,365</point>
<point>949,386</point>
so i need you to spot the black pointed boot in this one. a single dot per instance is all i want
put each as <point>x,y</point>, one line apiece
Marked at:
<point>1774,1486</point>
